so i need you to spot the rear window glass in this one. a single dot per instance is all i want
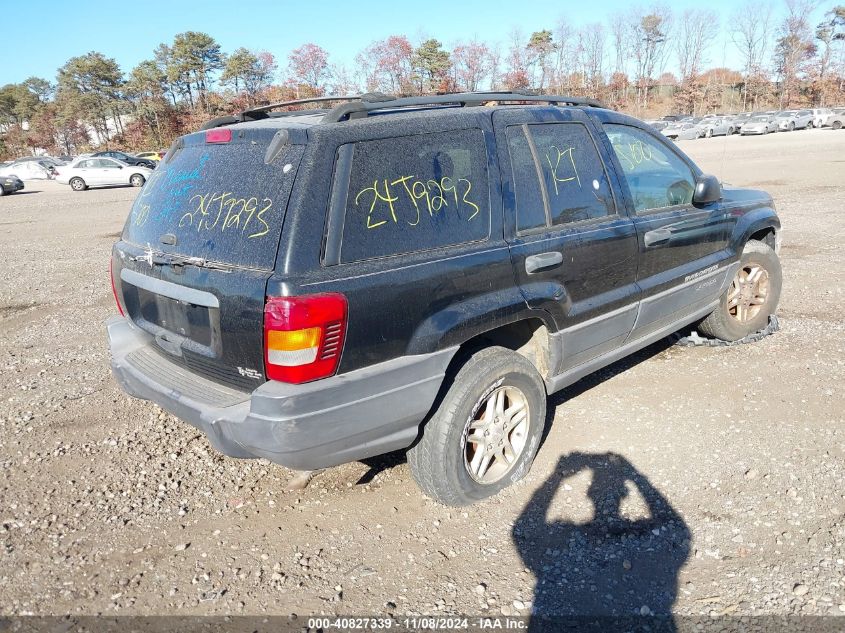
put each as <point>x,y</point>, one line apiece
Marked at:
<point>220,201</point>
<point>416,193</point>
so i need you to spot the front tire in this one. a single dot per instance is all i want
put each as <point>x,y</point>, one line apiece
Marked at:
<point>485,432</point>
<point>753,295</point>
<point>137,180</point>
<point>77,184</point>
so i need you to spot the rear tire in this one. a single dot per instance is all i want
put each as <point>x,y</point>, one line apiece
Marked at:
<point>836,125</point>
<point>753,295</point>
<point>137,180</point>
<point>77,184</point>
<point>496,396</point>
<point>810,125</point>
<point>2,191</point>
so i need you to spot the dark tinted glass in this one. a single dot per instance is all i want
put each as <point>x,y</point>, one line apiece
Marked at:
<point>530,211</point>
<point>222,202</point>
<point>574,176</point>
<point>415,193</point>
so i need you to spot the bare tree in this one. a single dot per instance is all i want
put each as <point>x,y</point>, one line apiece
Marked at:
<point>793,48</point>
<point>649,38</point>
<point>591,40</point>
<point>564,58</point>
<point>750,29</point>
<point>694,35</point>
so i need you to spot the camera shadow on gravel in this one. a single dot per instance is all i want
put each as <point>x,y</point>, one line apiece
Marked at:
<point>610,571</point>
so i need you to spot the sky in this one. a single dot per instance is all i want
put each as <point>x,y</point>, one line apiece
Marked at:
<point>39,44</point>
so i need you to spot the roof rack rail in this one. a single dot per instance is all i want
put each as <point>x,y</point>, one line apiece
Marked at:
<point>359,106</point>
<point>362,107</point>
<point>256,113</point>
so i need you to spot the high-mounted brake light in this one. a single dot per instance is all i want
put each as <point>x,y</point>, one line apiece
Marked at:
<point>218,135</point>
<point>303,336</point>
<point>113,288</point>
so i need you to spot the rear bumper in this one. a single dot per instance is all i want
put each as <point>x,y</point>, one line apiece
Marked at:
<point>325,423</point>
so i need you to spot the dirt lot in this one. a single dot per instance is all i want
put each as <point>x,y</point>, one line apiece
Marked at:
<point>110,506</point>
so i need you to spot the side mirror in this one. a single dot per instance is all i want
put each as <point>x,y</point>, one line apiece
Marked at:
<point>707,189</point>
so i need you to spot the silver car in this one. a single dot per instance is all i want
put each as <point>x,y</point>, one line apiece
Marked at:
<point>789,120</point>
<point>681,131</point>
<point>716,126</point>
<point>761,124</point>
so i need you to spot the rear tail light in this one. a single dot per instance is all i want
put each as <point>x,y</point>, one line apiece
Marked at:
<point>303,336</point>
<point>113,288</point>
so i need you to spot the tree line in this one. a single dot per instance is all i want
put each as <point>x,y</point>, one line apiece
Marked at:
<point>786,62</point>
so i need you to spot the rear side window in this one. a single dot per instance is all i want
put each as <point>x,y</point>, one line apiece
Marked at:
<point>574,183</point>
<point>415,193</point>
<point>574,175</point>
<point>221,202</point>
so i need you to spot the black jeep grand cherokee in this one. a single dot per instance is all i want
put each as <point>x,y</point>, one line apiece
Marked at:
<point>322,286</point>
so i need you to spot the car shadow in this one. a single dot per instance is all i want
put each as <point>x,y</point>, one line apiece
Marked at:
<point>612,572</point>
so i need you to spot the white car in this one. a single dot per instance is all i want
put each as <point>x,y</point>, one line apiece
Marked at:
<point>820,116</point>
<point>101,172</point>
<point>27,170</point>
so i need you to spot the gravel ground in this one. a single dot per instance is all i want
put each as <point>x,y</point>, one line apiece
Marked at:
<point>691,480</point>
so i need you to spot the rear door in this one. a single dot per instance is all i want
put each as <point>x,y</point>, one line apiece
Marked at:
<point>111,172</point>
<point>574,251</point>
<point>683,253</point>
<point>222,203</point>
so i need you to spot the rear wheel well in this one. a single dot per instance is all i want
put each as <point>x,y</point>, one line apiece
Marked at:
<point>767,236</point>
<point>529,338</point>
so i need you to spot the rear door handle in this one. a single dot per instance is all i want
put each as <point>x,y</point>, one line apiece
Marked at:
<point>657,236</point>
<point>542,261</point>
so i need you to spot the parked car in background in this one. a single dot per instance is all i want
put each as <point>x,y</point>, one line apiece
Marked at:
<point>102,172</point>
<point>836,120</point>
<point>716,126</point>
<point>10,184</point>
<point>820,116</point>
<point>123,157</point>
<point>789,120</point>
<point>156,156</point>
<point>680,130</point>
<point>760,124</point>
<point>658,124</point>
<point>29,169</point>
<point>739,119</point>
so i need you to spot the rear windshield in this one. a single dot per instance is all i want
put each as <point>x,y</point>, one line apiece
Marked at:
<point>221,202</point>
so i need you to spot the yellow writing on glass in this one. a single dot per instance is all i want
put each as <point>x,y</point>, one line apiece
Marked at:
<point>633,154</point>
<point>431,196</point>
<point>559,167</point>
<point>140,215</point>
<point>223,211</point>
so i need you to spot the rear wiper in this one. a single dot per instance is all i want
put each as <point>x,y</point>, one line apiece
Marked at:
<point>157,258</point>
<point>199,262</point>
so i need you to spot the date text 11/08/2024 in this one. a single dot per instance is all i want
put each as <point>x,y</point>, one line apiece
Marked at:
<point>419,623</point>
